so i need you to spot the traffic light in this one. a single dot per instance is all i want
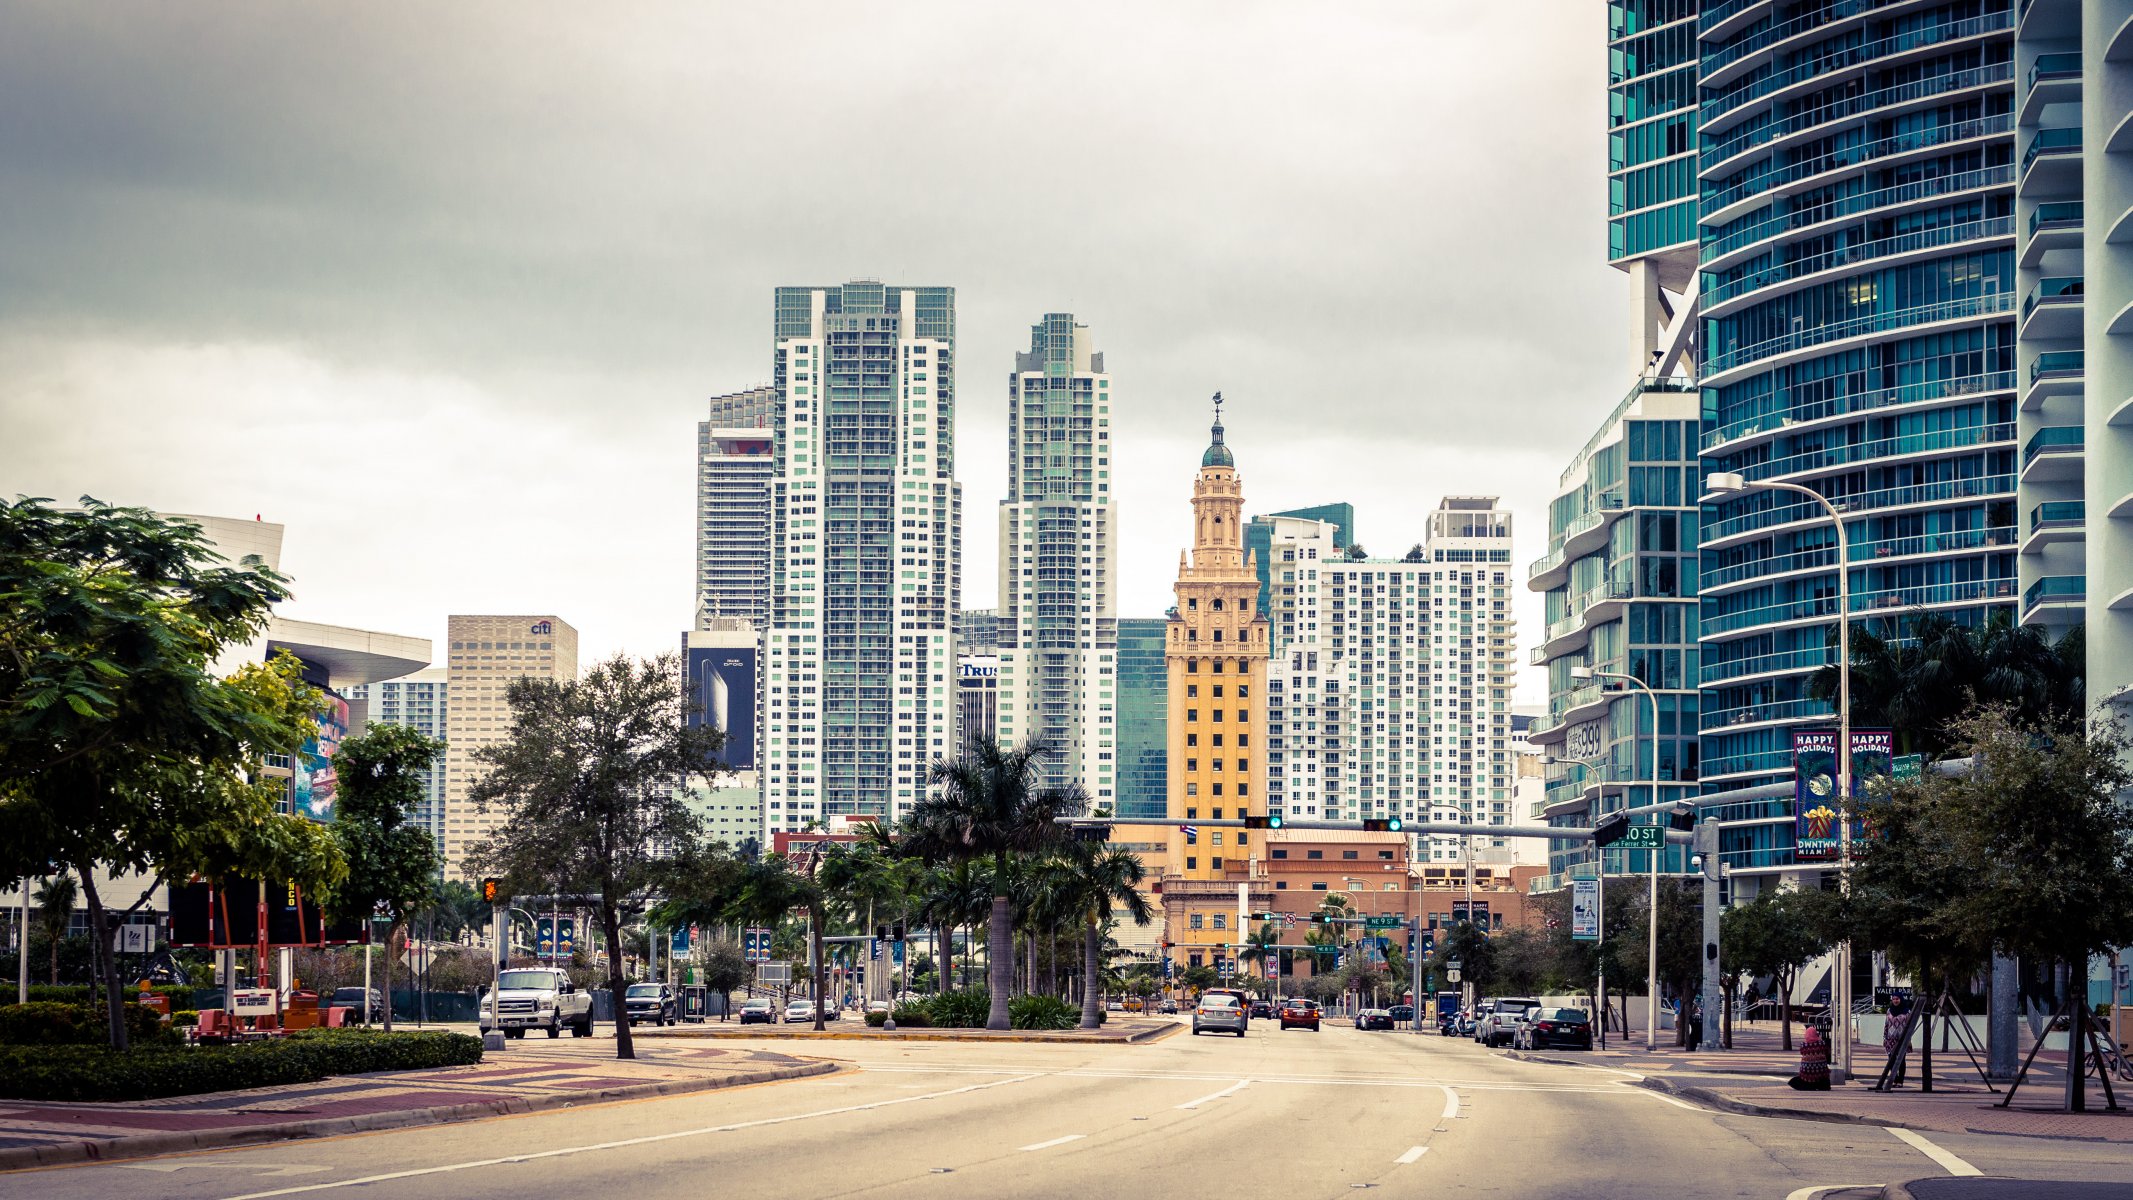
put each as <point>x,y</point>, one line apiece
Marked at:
<point>492,891</point>
<point>1683,818</point>
<point>1381,824</point>
<point>896,932</point>
<point>1092,833</point>
<point>1610,831</point>
<point>1267,822</point>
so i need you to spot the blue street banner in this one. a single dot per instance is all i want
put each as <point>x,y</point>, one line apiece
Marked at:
<point>678,942</point>
<point>874,949</point>
<point>543,936</point>
<point>896,953</point>
<point>1816,833</point>
<point>566,936</point>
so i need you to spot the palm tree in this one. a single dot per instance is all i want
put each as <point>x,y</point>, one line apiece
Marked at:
<point>55,914</point>
<point>1930,669</point>
<point>1099,881</point>
<point>1261,946</point>
<point>989,804</point>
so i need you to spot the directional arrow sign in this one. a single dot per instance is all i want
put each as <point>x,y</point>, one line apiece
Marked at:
<point>1383,922</point>
<point>1643,837</point>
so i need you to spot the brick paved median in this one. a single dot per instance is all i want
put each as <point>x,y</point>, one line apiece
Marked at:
<point>529,1076</point>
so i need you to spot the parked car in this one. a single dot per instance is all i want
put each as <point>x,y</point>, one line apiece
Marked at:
<point>1496,1028</point>
<point>1299,1013</point>
<point>1476,1015</point>
<point>651,1002</point>
<point>1133,1004</point>
<point>1262,1008</point>
<point>1168,1008</point>
<point>1117,1006</point>
<point>1218,1011</point>
<point>1540,1028</point>
<point>1373,1018</point>
<point>370,1007</point>
<point>537,998</point>
<point>1403,1016</point>
<point>877,1006</point>
<point>759,1012</point>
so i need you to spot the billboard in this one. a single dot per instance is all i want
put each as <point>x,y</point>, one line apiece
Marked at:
<point>722,682</point>
<point>207,916</point>
<point>1816,833</point>
<point>314,786</point>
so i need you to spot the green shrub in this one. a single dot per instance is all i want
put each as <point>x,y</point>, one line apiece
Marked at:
<point>98,1073</point>
<point>913,1016</point>
<point>185,1018</point>
<point>43,1023</point>
<point>877,1020</point>
<point>966,1009</point>
<point>1041,1012</point>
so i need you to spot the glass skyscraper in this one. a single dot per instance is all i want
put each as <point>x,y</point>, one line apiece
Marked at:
<point>1856,163</point>
<point>1143,708</point>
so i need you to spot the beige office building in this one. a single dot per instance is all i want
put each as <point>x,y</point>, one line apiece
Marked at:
<point>486,654</point>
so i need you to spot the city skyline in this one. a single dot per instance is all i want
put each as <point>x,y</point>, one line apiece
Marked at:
<point>572,387</point>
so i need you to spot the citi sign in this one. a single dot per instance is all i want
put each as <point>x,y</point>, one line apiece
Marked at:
<point>542,627</point>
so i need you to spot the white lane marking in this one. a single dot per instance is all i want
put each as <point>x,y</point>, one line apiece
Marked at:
<point>1242,1083</point>
<point>1451,1102</point>
<point>626,1142</point>
<point>1809,1193</point>
<point>1946,1161</point>
<point>1411,1155</point>
<point>1057,1141</point>
<point>266,1169</point>
<point>1676,1101</point>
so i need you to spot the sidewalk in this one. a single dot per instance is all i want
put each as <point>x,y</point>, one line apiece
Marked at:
<point>529,1076</point>
<point>1114,1032</point>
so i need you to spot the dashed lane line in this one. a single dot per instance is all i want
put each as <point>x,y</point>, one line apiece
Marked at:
<point>1411,1155</point>
<point>1942,1158</point>
<point>1212,1096</point>
<point>1057,1141</point>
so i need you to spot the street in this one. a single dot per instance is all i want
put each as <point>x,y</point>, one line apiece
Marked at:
<point>1291,1114</point>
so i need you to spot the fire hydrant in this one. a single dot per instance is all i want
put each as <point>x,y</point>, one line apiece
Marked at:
<point>1814,1063</point>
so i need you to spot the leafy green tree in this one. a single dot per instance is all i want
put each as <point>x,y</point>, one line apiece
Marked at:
<point>455,909</point>
<point>120,749</point>
<point>1199,978</point>
<point>392,862</point>
<point>989,804</point>
<point>55,914</point>
<point>1260,948</point>
<point>590,788</point>
<point>772,887</point>
<point>1519,959</point>
<point>723,967</point>
<point>1680,944</point>
<point>1776,934</point>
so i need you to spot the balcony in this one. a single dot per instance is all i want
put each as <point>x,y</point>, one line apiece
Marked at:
<point>1757,353</point>
<point>1846,403</point>
<point>1737,241</point>
<point>2051,163</point>
<point>2052,310</point>
<point>2055,373</point>
<point>2053,454</point>
<point>1719,297</point>
<point>1857,159</point>
<point>2053,226</point>
<point>2052,79</point>
<point>2055,594</point>
<point>2055,521</point>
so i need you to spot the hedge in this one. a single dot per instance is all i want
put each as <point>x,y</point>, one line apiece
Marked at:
<point>1041,1012</point>
<point>98,1073</point>
<point>79,993</point>
<point>50,1023</point>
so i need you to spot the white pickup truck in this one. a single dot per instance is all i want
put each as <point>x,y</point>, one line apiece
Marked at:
<point>537,998</point>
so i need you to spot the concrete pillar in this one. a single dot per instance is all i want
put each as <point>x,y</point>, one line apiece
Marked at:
<point>2003,1054</point>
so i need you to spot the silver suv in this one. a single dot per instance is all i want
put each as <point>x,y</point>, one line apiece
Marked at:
<point>1496,1027</point>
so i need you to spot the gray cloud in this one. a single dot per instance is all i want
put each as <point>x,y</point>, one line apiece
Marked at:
<point>456,276</point>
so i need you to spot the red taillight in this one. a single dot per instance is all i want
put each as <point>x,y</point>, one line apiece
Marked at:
<point>1546,1026</point>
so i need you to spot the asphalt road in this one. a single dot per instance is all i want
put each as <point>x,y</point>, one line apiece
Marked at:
<point>1273,1114</point>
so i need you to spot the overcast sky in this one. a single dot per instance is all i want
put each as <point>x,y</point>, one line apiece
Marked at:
<point>443,286</point>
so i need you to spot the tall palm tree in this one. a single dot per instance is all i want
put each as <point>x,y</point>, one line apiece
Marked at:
<point>55,914</point>
<point>1261,946</point>
<point>1101,882</point>
<point>1917,676</point>
<point>990,804</point>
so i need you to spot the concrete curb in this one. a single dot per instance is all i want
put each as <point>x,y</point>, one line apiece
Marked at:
<point>177,1141</point>
<point>1529,1056</point>
<point>933,1035</point>
<point>1744,1108</point>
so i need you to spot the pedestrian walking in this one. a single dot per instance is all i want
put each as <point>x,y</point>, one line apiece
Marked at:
<point>1894,1034</point>
<point>1694,1016</point>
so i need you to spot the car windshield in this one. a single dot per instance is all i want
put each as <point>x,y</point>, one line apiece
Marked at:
<point>643,989</point>
<point>1218,1002</point>
<point>755,1004</point>
<point>536,981</point>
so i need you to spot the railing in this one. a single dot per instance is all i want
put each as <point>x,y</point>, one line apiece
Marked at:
<point>2056,362</point>
<point>1789,660</point>
<point>1646,383</point>
<point>1726,56</point>
<point>1825,557</point>
<point>1772,710</point>
<point>1714,14</point>
<point>2052,141</point>
<point>1752,135</point>
<point>1962,437</point>
<point>2056,589</point>
<point>2054,66</point>
<point>1991,304</point>
<point>1755,89</point>
<point>1846,403</point>
<point>1904,193</point>
<point>2057,214</point>
<point>1858,156</point>
<point>1921,239</point>
<point>2049,289</point>
<point>1786,513</point>
<point>2053,438</point>
<point>2060,513</point>
<point>1966,592</point>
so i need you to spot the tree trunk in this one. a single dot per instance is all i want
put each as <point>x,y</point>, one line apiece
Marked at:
<point>814,936</point>
<point>102,969</point>
<point>1784,987</point>
<point>1725,1015</point>
<point>1091,948</point>
<point>999,953</point>
<point>611,924</point>
<point>1029,984</point>
<point>392,929</point>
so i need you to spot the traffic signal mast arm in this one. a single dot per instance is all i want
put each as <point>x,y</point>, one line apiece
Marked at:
<point>1449,828</point>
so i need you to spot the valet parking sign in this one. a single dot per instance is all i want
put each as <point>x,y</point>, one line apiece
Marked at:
<point>1816,834</point>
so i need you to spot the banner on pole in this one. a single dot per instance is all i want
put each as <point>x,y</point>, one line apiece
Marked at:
<point>1815,804</point>
<point>1585,910</point>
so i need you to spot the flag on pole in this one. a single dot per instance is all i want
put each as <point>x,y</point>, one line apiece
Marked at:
<point>1191,832</point>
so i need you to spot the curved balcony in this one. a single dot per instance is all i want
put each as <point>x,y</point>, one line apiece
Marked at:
<point>1766,713</point>
<point>2052,79</point>
<point>1735,59</point>
<point>1731,153</point>
<point>1851,160</point>
<point>2054,454</point>
<point>2053,522</point>
<point>2051,162</point>
<point>1782,663</point>
<point>1943,441</point>
<point>1823,608</point>
<point>1594,606</point>
<point>2055,595</point>
<point>1955,541</point>
<point>1717,252</point>
<point>1736,358</point>
<point>2053,226</point>
<point>2053,373</point>
<point>1717,20</point>
<point>1739,291</point>
<point>2052,310</point>
<point>1803,512</point>
<point>1726,109</point>
<point>1765,425</point>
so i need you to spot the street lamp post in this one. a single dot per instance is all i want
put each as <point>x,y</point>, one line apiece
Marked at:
<point>1728,483</point>
<point>1651,953</point>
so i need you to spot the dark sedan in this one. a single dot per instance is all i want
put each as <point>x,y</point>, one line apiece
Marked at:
<point>1542,1028</point>
<point>1373,1018</point>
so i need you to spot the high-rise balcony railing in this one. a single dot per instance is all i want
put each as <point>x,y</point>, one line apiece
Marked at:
<point>1859,156</point>
<point>2053,439</point>
<point>2051,141</point>
<point>2055,590</point>
<point>2059,214</point>
<point>2056,363</point>
<point>1951,541</point>
<point>1913,192</point>
<point>2049,67</point>
<point>2055,289</point>
<point>1815,607</point>
<point>1990,304</point>
<point>1962,437</point>
<point>1858,252</point>
<point>1756,89</point>
<point>1766,664</point>
<point>1762,39</point>
<point>2058,514</point>
<point>1786,512</point>
<point>1750,136</point>
<point>1846,403</point>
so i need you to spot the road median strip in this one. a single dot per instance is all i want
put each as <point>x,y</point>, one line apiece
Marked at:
<point>147,1145</point>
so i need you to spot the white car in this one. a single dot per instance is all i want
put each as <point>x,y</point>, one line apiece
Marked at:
<point>801,1010</point>
<point>877,1006</point>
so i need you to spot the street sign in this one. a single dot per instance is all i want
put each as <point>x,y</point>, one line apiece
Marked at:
<point>1907,768</point>
<point>1383,922</point>
<point>773,973</point>
<point>133,939</point>
<point>1584,910</point>
<point>1643,837</point>
<point>678,942</point>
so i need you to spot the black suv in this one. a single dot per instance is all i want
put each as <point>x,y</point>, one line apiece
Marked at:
<point>652,1002</point>
<point>1261,1008</point>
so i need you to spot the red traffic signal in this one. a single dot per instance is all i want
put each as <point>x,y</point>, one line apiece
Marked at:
<point>492,891</point>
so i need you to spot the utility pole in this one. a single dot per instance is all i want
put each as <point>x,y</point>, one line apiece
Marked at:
<point>22,948</point>
<point>1706,848</point>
